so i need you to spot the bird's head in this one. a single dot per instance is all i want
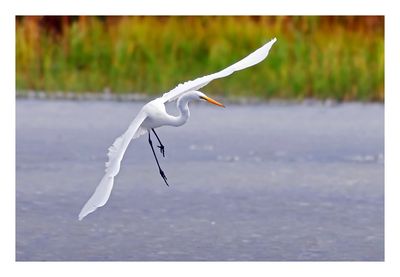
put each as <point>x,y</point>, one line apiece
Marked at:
<point>198,95</point>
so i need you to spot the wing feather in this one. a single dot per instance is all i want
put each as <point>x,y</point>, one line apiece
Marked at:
<point>115,154</point>
<point>254,58</point>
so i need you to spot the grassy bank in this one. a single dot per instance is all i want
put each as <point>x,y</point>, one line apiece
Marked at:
<point>318,57</point>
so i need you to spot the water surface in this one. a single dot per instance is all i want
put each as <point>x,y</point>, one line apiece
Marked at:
<point>264,182</point>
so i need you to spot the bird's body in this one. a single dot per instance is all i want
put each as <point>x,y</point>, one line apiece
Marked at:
<point>157,115</point>
<point>154,115</point>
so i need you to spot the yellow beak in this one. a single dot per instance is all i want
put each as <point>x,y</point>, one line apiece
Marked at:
<point>212,101</point>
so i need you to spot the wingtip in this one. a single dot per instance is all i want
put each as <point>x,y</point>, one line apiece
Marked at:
<point>83,214</point>
<point>86,210</point>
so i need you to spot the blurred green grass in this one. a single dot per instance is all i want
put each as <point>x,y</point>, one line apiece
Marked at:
<point>315,57</point>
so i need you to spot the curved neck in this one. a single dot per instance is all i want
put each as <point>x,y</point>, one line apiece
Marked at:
<point>183,108</point>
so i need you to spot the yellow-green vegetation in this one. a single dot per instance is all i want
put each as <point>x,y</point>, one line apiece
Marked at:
<point>314,57</point>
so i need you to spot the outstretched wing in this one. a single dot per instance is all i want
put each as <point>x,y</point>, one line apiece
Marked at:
<point>254,58</point>
<point>115,155</point>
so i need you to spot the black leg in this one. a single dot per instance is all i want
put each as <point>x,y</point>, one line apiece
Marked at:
<point>161,146</point>
<point>159,168</point>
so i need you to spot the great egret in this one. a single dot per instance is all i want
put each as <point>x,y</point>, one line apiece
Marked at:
<point>154,115</point>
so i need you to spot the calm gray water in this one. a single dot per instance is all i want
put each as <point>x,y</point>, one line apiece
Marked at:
<point>253,183</point>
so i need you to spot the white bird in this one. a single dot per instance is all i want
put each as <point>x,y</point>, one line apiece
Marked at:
<point>154,115</point>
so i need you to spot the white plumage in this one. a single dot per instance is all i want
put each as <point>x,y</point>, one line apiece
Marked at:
<point>153,115</point>
<point>254,58</point>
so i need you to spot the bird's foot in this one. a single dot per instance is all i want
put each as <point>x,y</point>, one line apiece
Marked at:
<point>164,177</point>
<point>162,150</point>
